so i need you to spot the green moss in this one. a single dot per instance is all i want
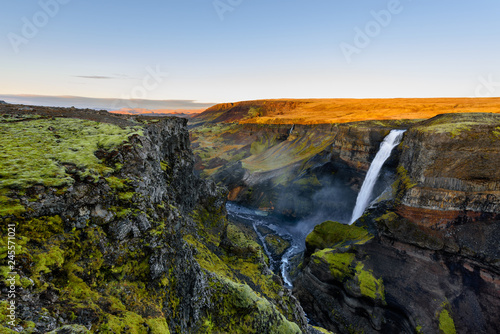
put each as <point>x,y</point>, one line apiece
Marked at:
<point>4,272</point>
<point>240,243</point>
<point>4,312</point>
<point>456,124</point>
<point>287,153</point>
<point>208,260</point>
<point>496,132</point>
<point>238,309</point>
<point>251,273</point>
<point>47,261</point>
<point>42,228</point>
<point>322,330</point>
<point>262,144</point>
<point>277,244</point>
<point>446,324</point>
<point>402,184</point>
<point>120,212</point>
<point>311,181</point>
<point>127,322</point>
<point>5,118</point>
<point>74,329</point>
<point>452,128</point>
<point>368,284</point>
<point>9,206</point>
<point>126,196</point>
<point>330,234</point>
<point>116,183</point>
<point>339,263</point>
<point>5,330</point>
<point>49,144</point>
<point>20,248</point>
<point>158,326</point>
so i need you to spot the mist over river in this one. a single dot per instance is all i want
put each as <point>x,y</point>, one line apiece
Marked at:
<point>293,231</point>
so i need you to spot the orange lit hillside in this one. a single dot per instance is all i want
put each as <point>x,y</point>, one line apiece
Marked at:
<point>316,111</point>
<point>157,112</point>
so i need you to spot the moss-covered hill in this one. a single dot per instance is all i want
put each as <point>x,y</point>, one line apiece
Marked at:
<point>115,234</point>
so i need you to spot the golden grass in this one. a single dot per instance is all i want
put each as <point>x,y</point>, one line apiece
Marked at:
<point>318,111</point>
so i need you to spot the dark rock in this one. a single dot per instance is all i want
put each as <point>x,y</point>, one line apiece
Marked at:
<point>435,246</point>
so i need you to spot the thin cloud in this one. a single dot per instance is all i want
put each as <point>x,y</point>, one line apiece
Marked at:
<point>94,77</point>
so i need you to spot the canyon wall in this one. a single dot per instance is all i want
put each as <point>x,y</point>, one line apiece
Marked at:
<point>425,259</point>
<point>115,233</point>
<point>293,170</point>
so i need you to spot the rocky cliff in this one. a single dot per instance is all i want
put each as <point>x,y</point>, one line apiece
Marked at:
<point>115,234</point>
<point>427,259</point>
<point>294,170</point>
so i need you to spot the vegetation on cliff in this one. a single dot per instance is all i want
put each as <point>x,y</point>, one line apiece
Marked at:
<point>441,218</point>
<point>115,234</point>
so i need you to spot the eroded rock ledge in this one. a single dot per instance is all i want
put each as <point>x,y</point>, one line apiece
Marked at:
<point>116,234</point>
<point>431,253</point>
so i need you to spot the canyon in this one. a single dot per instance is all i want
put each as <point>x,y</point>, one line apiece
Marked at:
<point>423,258</point>
<point>126,229</point>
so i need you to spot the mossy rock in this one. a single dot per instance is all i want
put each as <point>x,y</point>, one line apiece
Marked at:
<point>338,263</point>
<point>346,270</point>
<point>369,286</point>
<point>319,330</point>
<point>446,323</point>
<point>70,329</point>
<point>276,245</point>
<point>238,309</point>
<point>331,234</point>
<point>237,243</point>
<point>52,144</point>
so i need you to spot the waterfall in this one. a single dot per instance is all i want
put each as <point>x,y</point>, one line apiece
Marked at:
<point>285,265</point>
<point>390,141</point>
<point>264,245</point>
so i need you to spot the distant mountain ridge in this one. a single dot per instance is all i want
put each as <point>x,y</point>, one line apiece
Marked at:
<point>185,113</point>
<point>101,103</point>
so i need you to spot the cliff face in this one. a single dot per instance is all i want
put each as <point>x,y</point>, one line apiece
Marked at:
<point>115,233</point>
<point>427,260</point>
<point>290,169</point>
<point>453,163</point>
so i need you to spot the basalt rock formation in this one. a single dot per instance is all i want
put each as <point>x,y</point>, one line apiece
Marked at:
<point>114,233</point>
<point>426,260</point>
<point>292,170</point>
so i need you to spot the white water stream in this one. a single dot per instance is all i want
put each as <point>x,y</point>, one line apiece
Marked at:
<point>390,141</point>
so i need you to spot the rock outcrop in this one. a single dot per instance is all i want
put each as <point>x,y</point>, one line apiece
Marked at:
<point>114,233</point>
<point>427,260</point>
<point>293,170</point>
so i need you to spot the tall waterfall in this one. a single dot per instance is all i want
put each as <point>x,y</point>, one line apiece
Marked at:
<point>390,141</point>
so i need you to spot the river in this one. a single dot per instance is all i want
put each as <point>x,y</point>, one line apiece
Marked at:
<point>293,231</point>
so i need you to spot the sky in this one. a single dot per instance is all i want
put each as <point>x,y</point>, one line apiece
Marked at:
<point>211,51</point>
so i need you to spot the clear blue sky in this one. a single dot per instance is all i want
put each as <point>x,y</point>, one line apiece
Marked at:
<point>259,49</point>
